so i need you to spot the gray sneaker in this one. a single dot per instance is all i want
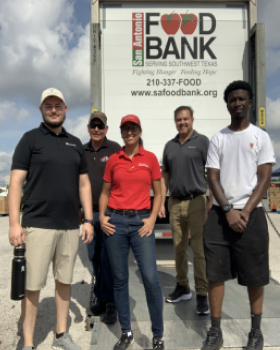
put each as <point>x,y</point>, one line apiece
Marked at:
<point>255,340</point>
<point>65,343</point>
<point>28,348</point>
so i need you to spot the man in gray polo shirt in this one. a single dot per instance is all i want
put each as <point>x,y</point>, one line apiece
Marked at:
<point>183,172</point>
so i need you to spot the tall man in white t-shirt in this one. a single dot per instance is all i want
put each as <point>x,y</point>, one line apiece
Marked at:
<point>239,163</point>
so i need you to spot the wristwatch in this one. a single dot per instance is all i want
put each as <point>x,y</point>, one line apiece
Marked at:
<point>85,221</point>
<point>226,208</point>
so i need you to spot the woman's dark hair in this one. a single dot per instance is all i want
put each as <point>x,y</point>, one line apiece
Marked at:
<point>238,85</point>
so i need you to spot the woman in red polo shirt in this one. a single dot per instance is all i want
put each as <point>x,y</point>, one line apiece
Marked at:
<point>128,221</point>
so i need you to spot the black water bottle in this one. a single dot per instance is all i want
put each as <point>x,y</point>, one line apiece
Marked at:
<point>18,274</point>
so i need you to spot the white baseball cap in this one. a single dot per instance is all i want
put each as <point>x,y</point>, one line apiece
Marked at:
<point>52,92</point>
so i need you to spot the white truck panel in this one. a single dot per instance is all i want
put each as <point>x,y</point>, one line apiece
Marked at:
<point>196,76</point>
<point>209,75</point>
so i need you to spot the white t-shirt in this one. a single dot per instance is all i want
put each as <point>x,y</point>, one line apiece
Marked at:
<point>238,154</point>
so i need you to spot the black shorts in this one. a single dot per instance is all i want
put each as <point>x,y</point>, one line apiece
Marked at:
<point>229,254</point>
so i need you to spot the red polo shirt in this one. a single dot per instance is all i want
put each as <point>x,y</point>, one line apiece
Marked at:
<point>131,179</point>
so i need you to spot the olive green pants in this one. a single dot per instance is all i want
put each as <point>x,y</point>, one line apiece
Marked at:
<point>185,216</point>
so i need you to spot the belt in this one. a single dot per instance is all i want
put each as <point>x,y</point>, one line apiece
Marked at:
<point>130,212</point>
<point>189,197</point>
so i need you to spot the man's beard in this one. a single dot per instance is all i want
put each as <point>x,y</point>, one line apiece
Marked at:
<point>53,124</point>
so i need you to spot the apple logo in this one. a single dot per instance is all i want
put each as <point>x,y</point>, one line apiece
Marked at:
<point>170,23</point>
<point>189,23</point>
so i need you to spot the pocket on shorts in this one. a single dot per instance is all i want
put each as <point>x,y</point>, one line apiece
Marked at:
<point>260,222</point>
<point>28,230</point>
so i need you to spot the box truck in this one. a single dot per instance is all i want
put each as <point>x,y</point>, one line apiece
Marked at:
<point>150,57</point>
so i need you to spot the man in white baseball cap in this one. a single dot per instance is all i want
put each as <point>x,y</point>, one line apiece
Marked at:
<point>54,164</point>
<point>52,92</point>
<point>53,108</point>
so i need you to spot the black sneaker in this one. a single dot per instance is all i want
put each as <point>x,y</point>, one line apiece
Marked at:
<point>158,344</point>
<point>180,293</point>
<point>98,307</point>
<point>202,307</point>
<point>110,315</point>
<point>255,340</point>
<point>214,340</point>
<point>125,341</point>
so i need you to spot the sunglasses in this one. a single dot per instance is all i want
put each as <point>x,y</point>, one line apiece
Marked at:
<point>100,126</point>
<point>133,128</point>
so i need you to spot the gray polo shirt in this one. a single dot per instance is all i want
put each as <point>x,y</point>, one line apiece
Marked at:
<point>186,165</point>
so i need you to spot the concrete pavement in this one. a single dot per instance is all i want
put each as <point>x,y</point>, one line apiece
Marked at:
<point>10,322</point>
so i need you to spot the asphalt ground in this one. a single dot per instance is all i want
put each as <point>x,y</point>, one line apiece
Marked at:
<point>183,328</point>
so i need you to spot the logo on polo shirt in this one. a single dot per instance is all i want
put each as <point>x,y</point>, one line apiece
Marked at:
<point>104,159</point>
<point>70,144</point>
<point>251,145</point>
<point>191,147</point>
<point>145,165</point>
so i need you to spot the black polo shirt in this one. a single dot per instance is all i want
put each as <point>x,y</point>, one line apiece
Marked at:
<point>96,160</point>
<point>54,164</point>
<point>186,165</point>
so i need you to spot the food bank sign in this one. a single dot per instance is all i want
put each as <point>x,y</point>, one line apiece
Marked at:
<point>184,45</point>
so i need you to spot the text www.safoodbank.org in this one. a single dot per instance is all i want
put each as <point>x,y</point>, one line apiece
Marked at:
<point>179,92</point>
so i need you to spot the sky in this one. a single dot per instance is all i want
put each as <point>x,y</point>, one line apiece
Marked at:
<point>46,44</point>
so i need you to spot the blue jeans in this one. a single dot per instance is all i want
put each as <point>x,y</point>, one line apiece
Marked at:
<point>97,253</point>
<point>144,250</point>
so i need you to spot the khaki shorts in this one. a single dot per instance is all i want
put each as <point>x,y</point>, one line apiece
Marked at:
<point>44,246</point>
